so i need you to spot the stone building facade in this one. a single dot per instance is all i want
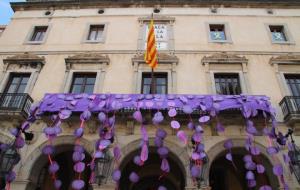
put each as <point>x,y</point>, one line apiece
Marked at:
<point>251,47</point>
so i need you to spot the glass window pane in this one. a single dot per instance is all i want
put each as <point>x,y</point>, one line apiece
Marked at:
<point>89,89</point>
<point>91,80</point>
<point>78,80</point>
<point>21,88</point>
<point>12,88</point>
<point>76,89</point>
<point>160,81</point>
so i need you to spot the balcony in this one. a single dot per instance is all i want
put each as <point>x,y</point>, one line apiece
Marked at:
<point>290,106</point>
<point>15,105</point>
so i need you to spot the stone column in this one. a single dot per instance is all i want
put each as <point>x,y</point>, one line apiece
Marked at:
<point>103,187</point>
<point>22,185</point>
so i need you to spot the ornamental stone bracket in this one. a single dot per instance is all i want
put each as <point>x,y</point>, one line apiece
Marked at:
<point>86,59</point>
<point>24,61</point>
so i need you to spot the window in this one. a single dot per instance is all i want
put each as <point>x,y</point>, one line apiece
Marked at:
<point>95,32</point>
<point>217,32</point>
<point>160,83</point>
<point>38,34</point>
<point>83,83</point>
<point>17,83</point>
<point>278,34</point>
<point>227,84</point>
<point>293,83</point>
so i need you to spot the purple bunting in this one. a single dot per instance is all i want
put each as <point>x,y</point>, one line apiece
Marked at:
<point>133,177</point>
<point>116,175</point>
<point>175,124</point>
<point>77,184</point>
<point>165,165</point>
<point>278,170</point>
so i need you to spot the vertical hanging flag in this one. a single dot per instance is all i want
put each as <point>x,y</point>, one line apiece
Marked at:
<point>151,53</point>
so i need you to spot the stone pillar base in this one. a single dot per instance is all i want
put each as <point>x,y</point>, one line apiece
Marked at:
<point>22,185</point>
<point>201,188</point>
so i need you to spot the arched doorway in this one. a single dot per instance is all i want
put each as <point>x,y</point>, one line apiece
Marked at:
<point>43,180</point>
<point>224,176</point>
<point>150,173</point>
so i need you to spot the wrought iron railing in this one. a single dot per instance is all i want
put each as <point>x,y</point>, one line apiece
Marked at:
<point>290,105</point>
<point>15,102</point>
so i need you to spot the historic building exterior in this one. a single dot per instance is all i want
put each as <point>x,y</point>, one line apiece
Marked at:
<point>205,47</point>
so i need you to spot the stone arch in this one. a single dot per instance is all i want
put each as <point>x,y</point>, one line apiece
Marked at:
<point>238,143</point>
<point>36,160</point>
<point>177,153</point>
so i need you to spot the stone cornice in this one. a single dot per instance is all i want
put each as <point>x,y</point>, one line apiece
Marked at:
<point>34,5</point>
<point>223,57</point>
<point>162,58</point>
<point>288,59</point>
<point>24,58</point>
<point>86,58</point>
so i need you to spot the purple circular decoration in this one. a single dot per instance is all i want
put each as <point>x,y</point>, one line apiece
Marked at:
<point>163,151</point>
<point>102,117</point>
<point>137,115</point>
<point>14,131</point>
<point>78,132</point>
<point>228,144</point>
<point>175,124</point>
<point>79,167</point>
<point>53,168</point>
<point>133,177</point>
<point>57,130</point>
<point>278,170</point>
<point>260,168</point>
<point>247,158</point>
<point>251,183</point>
<point>49,131</point>
<point>250,175</point>
<point>265,187</point>
<point>161,133</point>
<point>272,150</point>
<point>199,129</point>
<point>77,156</point>
<point>165,165</point>
<point>187,109</point>
<point>104,144</point>
<point>195,156</point>
<point>64,114</point>
<point>137,160</point>
<point>255,150</point>
<point>171,104</point>
<point>191,125</point>
<point>11,176</point>
<point>77,184</point>
<point>182,136</point>
<point>48,150</point>
<point>197,137</point>
<point>195,171</point>
<point>116,175</point>
<point>162,188</point>
<point>158,142</point>
<point>149,104</point>
<point>204,119</point>
<point>172,112</point>
<point>79,148</point>
<point>85,115</point>
<point>229,156</point>
<point>98,154</point>
<point>250,166</point>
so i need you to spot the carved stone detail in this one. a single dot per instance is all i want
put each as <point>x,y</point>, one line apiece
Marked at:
<point>286,59</point>
<point>157,18</point>
<point>224,57</point>
<point>86,58</point>
<point>24,61</point>
<point>162,58</point>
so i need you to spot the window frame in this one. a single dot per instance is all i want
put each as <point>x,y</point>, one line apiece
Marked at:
<point>226,30</point>
<point>87,33</point>
<point>286,83</point>
<point>31,33</point>
<point>240,79</point>
<point>83,74</point>
<point>155,73</point>
<point>287,34</point>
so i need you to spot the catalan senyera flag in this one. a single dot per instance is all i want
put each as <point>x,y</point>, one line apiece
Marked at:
<point>151,52</point>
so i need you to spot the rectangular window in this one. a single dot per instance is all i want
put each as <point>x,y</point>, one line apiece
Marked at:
<point>217,32</point>
<point>227,84</point>
<point>278,33</point>
<point>95,32</point>
<point>160,83</point>
<point>83,83</point>
<point>1,31</point>
<point>38,34</point>
<point>17,83</point>
<point>293,83</point>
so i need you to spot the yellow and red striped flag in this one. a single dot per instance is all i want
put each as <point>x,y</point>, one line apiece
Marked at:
<point>151,53</point>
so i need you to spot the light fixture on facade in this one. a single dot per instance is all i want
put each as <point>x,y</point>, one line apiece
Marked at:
<point>100,11</point>
<point>156,10</point>
<point>102,168</point>
<point>8,157</point>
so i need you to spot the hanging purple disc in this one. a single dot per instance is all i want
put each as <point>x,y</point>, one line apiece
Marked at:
<point>78,148</point>
<point>204,119</point>
<point>265,187</point>
<point>48,149</point>
<point>162,188</point>
<point>250,166</point>
<point>255,150</point>
<point>158,142</point>
<point>191,125</point>
<point>195,156</point>
<point>250,175</point>
<point>102,117</point>
<point>84,116</point>
<point>79,167</point>
<point>165,165</point>
<point>116,175</point>
<point>161,133</point>
<point>172,112</point>
<point>260,168</point>
<point>182,136</point>
<point>137,115</point>
<point>104,144</point>
<point>78,132</point>
<point>228,144</point>
<point>197,137</point>
<point>53,168</point>
<point>272,150</point>
<point>229,156</point>
<point>77,184</point>
<point>14,131</point>
<point>187,109</point>
<point>278,170</point>
<point>175,124</point>
<point>163,151</point>
<point>247,158</point>
<point>251,183</point>
<point>195,171</point>
<point>133,177</point>
<point>137,160</point>
<point>64,114</point>
<point>19,142</point>
<point>77,156</point>
<point>144,153</point>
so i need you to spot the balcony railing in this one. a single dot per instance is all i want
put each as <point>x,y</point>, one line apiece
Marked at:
<point>15,103</point>
<point>290,106</point>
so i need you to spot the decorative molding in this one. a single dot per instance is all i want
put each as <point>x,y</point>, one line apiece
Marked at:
<point>86,58</point>
<point>162,58</point>
<point>26,60</point>
<point>224,58</point>
<point>285,59</point>
<point>157,18</point>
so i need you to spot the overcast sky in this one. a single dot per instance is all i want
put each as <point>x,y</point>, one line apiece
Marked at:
<point>5,11</point>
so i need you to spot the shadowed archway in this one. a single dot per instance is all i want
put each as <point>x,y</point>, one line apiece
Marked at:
<point>150,172</point>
